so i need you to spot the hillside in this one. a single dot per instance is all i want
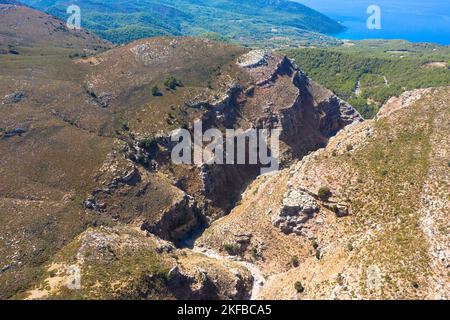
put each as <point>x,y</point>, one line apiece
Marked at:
<point>127,263</point>
<point>381,233</point>
<point>85,152</point>
<point>93,207</point>
<point>380,230</point>
<point>250,22</point>
<point>23,26</point>
<point>367,73</point>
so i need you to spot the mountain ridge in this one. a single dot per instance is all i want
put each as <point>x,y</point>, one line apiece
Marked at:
<point>247,22</point>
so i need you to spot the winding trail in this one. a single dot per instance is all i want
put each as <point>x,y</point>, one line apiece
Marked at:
<point>357,89</point>
<point>258,278</point>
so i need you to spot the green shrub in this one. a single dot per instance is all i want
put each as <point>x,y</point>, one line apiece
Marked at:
<point>324,193</point>
<point>155,91</point>
<point>228,248</point>
<point>294,261</point>
<point>148,144</point>
<point>172,83</point>
<point>314,244</point>
<point>350,246</point>
<point>299,287</point>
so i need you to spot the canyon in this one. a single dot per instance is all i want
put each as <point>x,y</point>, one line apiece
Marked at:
<point>87,180</point>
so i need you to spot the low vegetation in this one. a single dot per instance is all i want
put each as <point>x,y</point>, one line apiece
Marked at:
<point>229,248</point>
<point>299,287</point>
<point>172,83</point>
<point>294,261</point>
<point>155,91</point>
<point>324,193</point>
<point>290,22</point>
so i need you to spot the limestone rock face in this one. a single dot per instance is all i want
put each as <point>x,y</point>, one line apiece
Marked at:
<point>14,132</point>
<point>298,207</point>
<point>383,232</point>
<point>200,284</point>
<point>278,96</point>
<point>177,220</point>
<point>95,150</point>
<point>14,97</point>
<point>137,265</point>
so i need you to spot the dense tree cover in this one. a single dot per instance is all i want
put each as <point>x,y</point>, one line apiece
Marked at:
<point>248,22</point>
<point>367,73</point>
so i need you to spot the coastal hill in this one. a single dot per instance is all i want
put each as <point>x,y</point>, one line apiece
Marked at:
<point>251,22</point>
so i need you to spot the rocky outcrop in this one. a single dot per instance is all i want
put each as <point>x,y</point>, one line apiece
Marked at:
<point>14,97</point>
<point>380,234</point>
<point>402,101</point>
<point>177,220</point>
<point>298,207</point>
<point>201,285</point>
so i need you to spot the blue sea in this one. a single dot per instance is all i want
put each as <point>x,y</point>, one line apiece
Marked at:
<point>413,20</point>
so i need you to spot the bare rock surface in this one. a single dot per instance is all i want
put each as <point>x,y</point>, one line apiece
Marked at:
<point>122,262</point>
<point>253,59</point>
<point>298,207</point>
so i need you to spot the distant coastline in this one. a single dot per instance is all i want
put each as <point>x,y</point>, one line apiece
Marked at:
<point>411,20</point>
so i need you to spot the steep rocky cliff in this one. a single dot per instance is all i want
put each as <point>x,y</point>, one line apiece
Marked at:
<point>364,217</point>
<point>256,90</point>
<point>85,154</point>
